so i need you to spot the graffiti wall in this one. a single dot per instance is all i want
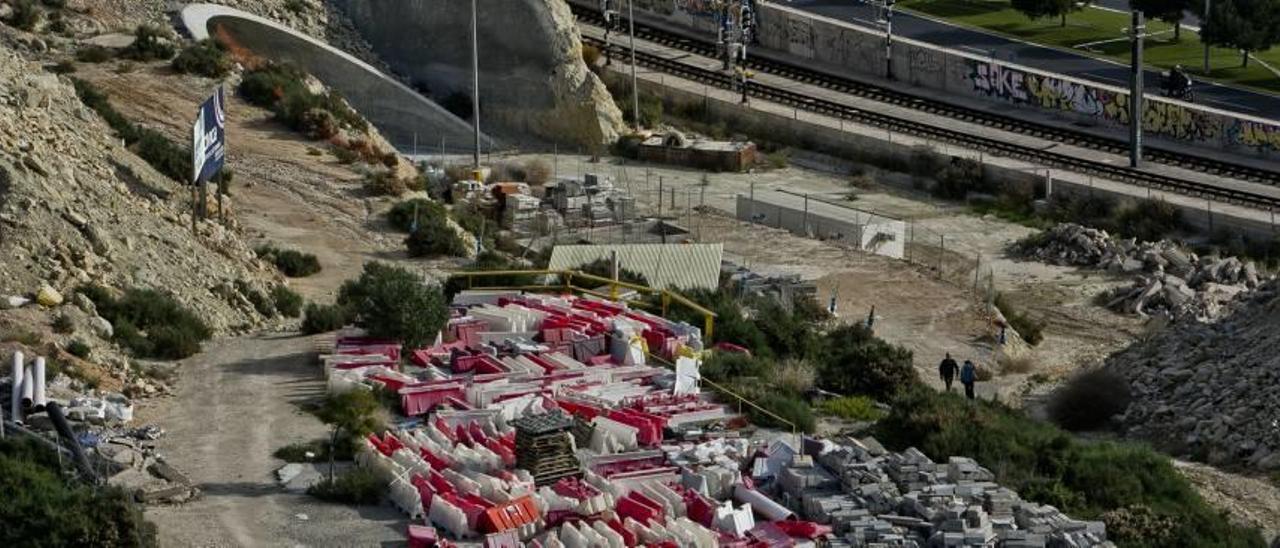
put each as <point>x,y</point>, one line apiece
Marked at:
<point>848,48</point>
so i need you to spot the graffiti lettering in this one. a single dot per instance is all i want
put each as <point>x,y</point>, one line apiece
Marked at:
<point>1177,121</point>
<point>1256,135</point>
<point>998,81</point>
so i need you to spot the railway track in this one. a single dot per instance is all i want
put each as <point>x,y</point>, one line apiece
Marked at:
<point>941,108</point>
<point>988,145</point>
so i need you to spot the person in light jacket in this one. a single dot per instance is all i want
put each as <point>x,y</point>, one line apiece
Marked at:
<point>968,376</point>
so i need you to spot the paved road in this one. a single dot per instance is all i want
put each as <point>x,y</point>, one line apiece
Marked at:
<point>1079,66</point>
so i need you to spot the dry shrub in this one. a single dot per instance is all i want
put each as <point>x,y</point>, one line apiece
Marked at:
<point>537,172</point>
<point>794,376</point>
<point>1010,365</point>
<point>384,183</point>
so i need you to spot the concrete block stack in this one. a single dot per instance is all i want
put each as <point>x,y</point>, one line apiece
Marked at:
<point>520,213</point>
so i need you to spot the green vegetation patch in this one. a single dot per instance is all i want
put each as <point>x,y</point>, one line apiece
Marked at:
<point>42,506</point>
<point>283,89</point>
<point>1089,480</point>
<point>150,323</point>
<point>205,58</point>
<point>291,263</point>
<point>167,157</point>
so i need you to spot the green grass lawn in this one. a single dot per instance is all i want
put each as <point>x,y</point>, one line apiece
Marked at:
<point>1092,25</point>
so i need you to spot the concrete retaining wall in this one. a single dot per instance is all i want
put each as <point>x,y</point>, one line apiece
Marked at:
<point>860,229</point>
<point>843,48</point>
<point>398,112</point>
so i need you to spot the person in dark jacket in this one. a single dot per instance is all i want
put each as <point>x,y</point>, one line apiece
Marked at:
<point>968,376</point>
<point>947,370</point>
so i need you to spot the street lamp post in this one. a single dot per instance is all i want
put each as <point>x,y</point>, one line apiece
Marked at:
<point>888,39</point>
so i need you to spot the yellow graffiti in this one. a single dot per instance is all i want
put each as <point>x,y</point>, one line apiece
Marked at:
<point>1264,136</point>
<point>1178,122</point>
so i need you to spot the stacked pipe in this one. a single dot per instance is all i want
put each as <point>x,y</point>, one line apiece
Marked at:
<point>28,386</point>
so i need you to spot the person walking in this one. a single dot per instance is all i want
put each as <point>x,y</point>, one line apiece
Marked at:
<point>947,370</point>
<point>968,376</point>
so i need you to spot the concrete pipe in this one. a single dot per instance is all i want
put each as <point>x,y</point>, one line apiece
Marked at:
<point>28,389</point>
<point>15,409</point>
<point>38,394</point>
<point>761,504</point>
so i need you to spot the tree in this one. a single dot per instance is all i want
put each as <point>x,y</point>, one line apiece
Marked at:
<point>1169,11</point>
<point>1036,9</point>
<point>391,302</point>
<point>1246,25</point>
<point>351,413</point>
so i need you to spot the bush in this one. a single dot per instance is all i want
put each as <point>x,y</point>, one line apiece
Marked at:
<point>206,58</point>
<point>94,54</point>
<point>591,56</point>
<point>786,406</point>
<point>957,179</point>
<point>1046,465</point>
<point>296,6</point>
<point>1016,365</point>
<point>324,318</point>
<point>164,155</point>
<point>344,155</point>
<point>490,260</point>
<point>1089,399</point>
<point>63,324</point>
<point>384,183</point>
<point>282,88</point>
<point>54,4</point>
<point>297,452</point>
<point>1031,330</point>
<point>291,263</point>
<point>288,302</point>
<point>150,43</point>
<point>731,366</point>
<point>1148,220</point>
<point>359,486</point>
<point>391,302</point>
<point>402,215</point>
<point>794,376</point>
<point>778,159</point>
<point>171,331</point>
<point>25,15</point>
<point>852,361</point>
<point>42,506</point>
<point>433,238</point>
<point>603,267</point>
<point>537,172</point>
<point>260,301</point>
<point>63,67</point>
<point>855,408</point>
<point>79,349</point>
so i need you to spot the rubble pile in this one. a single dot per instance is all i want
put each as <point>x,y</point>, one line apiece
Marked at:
<point>1168,281</point>
<point>1210,390</point>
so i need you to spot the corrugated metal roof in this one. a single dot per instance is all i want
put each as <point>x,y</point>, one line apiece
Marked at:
<point>666,266</point>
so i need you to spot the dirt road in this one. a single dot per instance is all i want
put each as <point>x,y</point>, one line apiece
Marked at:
<point>236,403</point>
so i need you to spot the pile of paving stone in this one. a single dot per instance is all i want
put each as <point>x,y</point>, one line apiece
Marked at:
<point>874,497</point>
<point>1168,280</point>
<point>1210,390</point>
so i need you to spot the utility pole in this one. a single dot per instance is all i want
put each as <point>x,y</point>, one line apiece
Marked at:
<point>609,14</point>
<point>888,39</point>
<point>475,89</point>
<point>1137,28</point>
<point>1203,22</point>
<point>635,91</point>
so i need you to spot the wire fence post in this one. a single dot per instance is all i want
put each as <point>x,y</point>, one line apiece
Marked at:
<point>942,245</point>
<point>977,271</point>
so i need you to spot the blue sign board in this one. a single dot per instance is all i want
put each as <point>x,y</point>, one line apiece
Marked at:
<point>209,139</point>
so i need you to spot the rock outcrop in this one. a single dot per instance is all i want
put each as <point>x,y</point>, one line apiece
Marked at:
<point>1168,280</point>
<point>532,76</point>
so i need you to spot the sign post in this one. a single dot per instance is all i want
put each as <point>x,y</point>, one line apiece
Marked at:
<point>208,151</point>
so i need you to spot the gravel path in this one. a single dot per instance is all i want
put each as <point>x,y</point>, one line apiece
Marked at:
<point>236,403</point>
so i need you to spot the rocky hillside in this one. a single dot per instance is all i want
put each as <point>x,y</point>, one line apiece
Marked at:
<point>76,207</point>
<point>1211,390</point>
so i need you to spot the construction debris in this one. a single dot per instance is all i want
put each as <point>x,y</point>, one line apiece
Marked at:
<point>534,424</point>
<point>1168,280</point>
